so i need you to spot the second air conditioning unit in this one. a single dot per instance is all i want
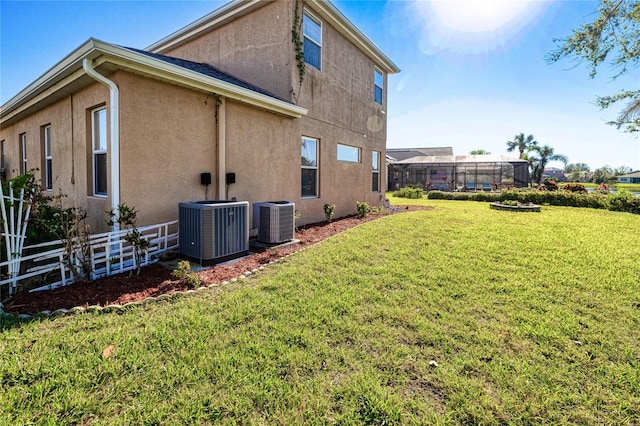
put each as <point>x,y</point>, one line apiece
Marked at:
<point>275,221</point>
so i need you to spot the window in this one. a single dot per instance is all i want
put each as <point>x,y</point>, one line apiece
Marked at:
<point>312,47</point>
<point>309,167</point>
<point>378,85</point>
<point>23,153</point>
<point>99,149</point>
<point>3,162</point>
<point>48,173</point>
<point>348,153</point>
<point>375,171</point>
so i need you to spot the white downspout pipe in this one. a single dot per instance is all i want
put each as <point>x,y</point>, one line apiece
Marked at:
<point>222,142</point>
<point>114,146</point>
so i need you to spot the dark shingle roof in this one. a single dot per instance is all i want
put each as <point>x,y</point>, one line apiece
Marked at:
<point>209,71</point>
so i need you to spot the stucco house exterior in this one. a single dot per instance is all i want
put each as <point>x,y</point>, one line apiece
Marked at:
<point>630,178</point>
<point>274,100</point>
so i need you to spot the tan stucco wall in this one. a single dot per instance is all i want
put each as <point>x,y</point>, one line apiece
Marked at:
<point>256,48</point>
<point>168,138</point>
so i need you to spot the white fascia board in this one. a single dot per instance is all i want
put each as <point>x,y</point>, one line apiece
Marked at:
<point>345,27</point>
<point>64,72</point>
<point>67,70</point>
<point>148,65</point>
<point>218,17</point>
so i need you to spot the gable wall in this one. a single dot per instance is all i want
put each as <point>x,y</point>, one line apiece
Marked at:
<point>256,48</point>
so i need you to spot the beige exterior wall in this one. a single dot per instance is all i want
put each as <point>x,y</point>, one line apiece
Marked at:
<point>256,48</point>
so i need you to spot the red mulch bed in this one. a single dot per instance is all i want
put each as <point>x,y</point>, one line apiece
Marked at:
<point>155,280</point>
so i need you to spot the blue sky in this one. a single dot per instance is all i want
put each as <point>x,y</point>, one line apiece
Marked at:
<point>473,71</point>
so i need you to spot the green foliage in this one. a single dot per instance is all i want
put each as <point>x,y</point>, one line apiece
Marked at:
<point>184,273</point>
<point>296,38</point>
<point>522,144</point>
<point>363,208</point>
<point>612,38</point>
<point>409,191</point>
<point>574,187</point>
<point>126,217</point>
<point>621,202</point>
<point>328,211</point>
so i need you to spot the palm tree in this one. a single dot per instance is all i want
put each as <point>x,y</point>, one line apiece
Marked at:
<point>539,162</point>
<point>522,144</point>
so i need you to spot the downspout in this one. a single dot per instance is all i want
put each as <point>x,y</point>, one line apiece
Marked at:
<point>114,147</point>
<point>222,142</point>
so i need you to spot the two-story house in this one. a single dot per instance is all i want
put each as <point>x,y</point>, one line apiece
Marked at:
<point>257,101</point>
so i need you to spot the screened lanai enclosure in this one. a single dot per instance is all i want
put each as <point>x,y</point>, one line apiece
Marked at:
<point>459,172</point>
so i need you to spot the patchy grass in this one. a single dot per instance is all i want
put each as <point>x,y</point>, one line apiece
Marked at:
<point>460,314</point>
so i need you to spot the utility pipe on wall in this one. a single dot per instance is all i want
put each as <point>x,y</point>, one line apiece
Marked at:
<point>114,146</point>
<point>222,142</point>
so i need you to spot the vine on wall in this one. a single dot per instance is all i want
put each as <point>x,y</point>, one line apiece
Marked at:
<point>296,38</point>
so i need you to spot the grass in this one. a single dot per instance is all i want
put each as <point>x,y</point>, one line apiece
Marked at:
<point>460,314</point>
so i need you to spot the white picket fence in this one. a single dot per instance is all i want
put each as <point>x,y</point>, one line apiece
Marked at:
<point>110,254</point>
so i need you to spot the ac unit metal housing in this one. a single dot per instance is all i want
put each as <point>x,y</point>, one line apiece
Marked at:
<point>275,221</point>
<point>213,231</point>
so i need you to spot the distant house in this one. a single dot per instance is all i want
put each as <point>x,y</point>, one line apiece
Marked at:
<point>553,172</point>
<point>457,172</point>
<point>226,101</point>
<point>630,178</point>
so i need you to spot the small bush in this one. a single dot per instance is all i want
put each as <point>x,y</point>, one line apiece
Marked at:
<point>363,208</point>
<point>409,191</point>
<point>328,211</point>
<point>575,187</point>
<point>184,273</point>
<point>550,185</point>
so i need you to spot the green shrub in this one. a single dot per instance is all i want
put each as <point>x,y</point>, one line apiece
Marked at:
<point>328,211</point>
<point>184,273</point>
<point>409,191</point>
<point>363,208</point>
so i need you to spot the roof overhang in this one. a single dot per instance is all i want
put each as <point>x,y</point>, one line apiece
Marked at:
<point>67,77</point>
<point>238,8</point>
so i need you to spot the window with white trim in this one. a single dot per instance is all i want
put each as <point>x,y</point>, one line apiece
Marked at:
<point>48,157</point>
<point>99,150</point>
<point>375,171</point>
<point>312,44</point>
<point>378,86</point>
<point>23,153</point>
<point>348,153</point>
<point>309,167</point>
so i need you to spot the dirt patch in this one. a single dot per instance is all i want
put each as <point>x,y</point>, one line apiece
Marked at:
<point>155,280</point>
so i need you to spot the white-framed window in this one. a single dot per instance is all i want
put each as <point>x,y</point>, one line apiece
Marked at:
<point>309,167</point>
<point>312,44</point>
<point>348,153</point>
<point>23,153</point>
<point>378,86</point>
<point>99,150</point>
<point>375,171</point>
<point>48,157</point>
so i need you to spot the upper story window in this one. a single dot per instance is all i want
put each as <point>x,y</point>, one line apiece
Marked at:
<point>23,153</point>
<point>348,153</point>
<point>99,150</point>
<point>312,48</point>
<point>3,161</point>
<point>48,157</point>
<point>378,86</point>
<point>309,167</point>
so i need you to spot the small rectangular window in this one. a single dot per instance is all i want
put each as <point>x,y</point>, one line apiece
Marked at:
<point>309,167</point>
<point>3,159</point>
<point>48,158</point>
<point>312,44</point>
<point>378,86</point>
<point>348,153</point>
<point>375,171</point>
<point>23,153</point>
<point>99,149</point>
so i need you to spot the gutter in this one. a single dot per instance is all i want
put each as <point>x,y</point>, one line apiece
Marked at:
<point>114,146</point>
<point>222,147</point>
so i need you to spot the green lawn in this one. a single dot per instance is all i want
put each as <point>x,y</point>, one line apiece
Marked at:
<point>459,314</point>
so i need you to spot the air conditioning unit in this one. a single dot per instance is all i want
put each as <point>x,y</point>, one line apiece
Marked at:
<point>275,221</point>
<point>213,231</point>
